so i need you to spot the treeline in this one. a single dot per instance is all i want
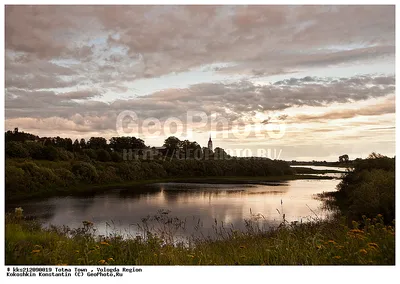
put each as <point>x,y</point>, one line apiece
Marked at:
<point>37,165</point>
<point>25,145</point>
<point>369,189</point>
<point>29,178</point>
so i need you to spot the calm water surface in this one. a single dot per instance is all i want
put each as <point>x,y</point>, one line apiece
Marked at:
<point>200,205</point>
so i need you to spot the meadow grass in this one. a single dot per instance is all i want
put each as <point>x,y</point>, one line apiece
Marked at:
<point>314,243</point>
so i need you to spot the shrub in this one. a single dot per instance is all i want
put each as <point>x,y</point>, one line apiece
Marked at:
<point>15,180</point>
<point>50,153</point>
<point>103,155</point>
<point>90,153</point>
<point>85,171</point>
<point>369,189</point>
<point>116,157</point>
<point>16,150</point>
<point>66,177</point>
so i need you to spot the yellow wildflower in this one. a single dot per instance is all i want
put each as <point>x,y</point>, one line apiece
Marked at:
<point>105,243</point>
<point>242,247</point>
<point>36,251</point>
<point>110,259</point>
<point>332,242</point>
<point>190,255</point>
<point>373,245</point>
<point>102,261</point>
<point>77,251</point>
<point>337,257</point>
<point>363,251</point>
<point>356,231</point>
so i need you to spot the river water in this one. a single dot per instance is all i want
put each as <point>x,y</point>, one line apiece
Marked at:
<point>185,209</point>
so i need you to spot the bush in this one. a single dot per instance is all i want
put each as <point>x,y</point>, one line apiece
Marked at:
<point>116,157</point>
<point>50,153</point>
<point>16,150</point>
<point>85,171</point>
<point>369,189</point>
<point>66,177</point>
<point>14,180</point>
<point>35,150</point>
<point>90,153</point>
<point>103,155</point>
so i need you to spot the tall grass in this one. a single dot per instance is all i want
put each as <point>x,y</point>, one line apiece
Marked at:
<point>313,243</point>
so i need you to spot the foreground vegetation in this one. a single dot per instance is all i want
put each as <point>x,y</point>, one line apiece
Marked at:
<point>367,242</point>
<point>367,190</point>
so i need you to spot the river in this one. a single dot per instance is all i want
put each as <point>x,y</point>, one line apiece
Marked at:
<point>189,209</point>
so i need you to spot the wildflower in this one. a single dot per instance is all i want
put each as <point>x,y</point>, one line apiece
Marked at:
<point>18,212</point>
<point>36,251</point>
<point>242,247</point>
<point>105,243</point>
<point>332,242</point>
<point>339,247</point>
<point>373,246</point>
<point>110,259</point>
<point>356,231</point>
<point>337,257</point>
<point>190,255</point>
<point>363,251</point>
<point>77,251</point>
<point>379,216</point>
<point>102,261</point>
<point>319,246</point>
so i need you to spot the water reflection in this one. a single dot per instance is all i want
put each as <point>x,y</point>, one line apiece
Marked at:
<point>198,204</point>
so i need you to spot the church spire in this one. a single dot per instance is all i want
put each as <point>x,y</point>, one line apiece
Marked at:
<point>210,144</point>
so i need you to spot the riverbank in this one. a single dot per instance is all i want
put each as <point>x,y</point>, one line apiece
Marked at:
<point>92,189</point>
<point>315,243</point>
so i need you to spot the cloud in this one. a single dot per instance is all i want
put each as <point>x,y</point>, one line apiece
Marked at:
<point>386,107</point>
<point>235,102</point>
<point>260,40</point>
<point>67,66</point>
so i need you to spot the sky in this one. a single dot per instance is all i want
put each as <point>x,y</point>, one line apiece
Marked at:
<point>288,82</point>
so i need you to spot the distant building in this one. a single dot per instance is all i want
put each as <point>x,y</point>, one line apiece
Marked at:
<point>210,145</point>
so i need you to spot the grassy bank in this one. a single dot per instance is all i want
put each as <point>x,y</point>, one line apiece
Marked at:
<point>28,178</point>
<point>316,243</point>
<point>83,188</point>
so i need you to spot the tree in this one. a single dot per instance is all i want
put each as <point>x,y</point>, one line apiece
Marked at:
<point>344,158</point>
<point>76,147</point>
<point>103,155</point>
<point>16,150</point>
<point>172,144</point>
<point>220,154</point>
<point>82,143</point>
<point>97,143</point>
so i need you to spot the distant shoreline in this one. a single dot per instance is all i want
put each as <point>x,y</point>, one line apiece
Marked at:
<point>91,189</point>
